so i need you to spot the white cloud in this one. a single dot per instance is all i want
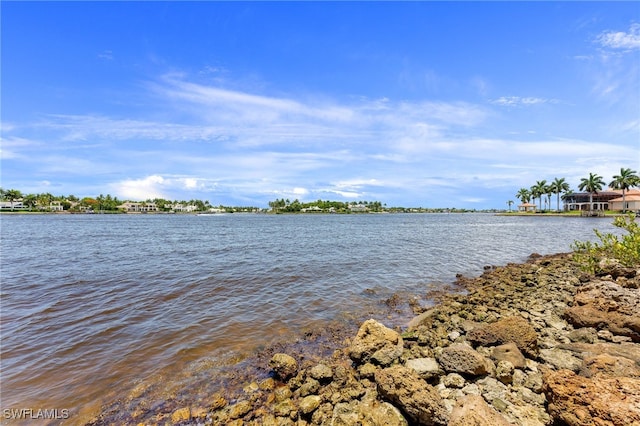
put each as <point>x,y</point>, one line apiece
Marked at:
<point>621,40</point>
<point>522,101</point>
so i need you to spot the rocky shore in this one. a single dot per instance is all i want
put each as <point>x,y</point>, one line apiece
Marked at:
<point>538,343</point>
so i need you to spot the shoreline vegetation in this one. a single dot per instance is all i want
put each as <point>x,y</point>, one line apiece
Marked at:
<point>553,340</point>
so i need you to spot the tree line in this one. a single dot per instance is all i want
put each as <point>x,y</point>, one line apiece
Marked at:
<point>108,203</point>
<point>592,184</point>
<point>286,206</point>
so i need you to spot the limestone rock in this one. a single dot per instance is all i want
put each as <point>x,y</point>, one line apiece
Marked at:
<point>578,401</point>
<point>425,367</point>
<point>511,329</point>
<point>309,404</point>
<point>284,366</point>
<point>561,359</point>
<point>415,397</point>
<point>181,415</point>
<point>607,305</point>
<point>509,352</point>
<point>376,343</point>
<point>472,410</point>
<point>461,358</point>
<point>321,372</point>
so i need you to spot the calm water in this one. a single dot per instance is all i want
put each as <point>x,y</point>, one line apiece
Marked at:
<point>92,305</point>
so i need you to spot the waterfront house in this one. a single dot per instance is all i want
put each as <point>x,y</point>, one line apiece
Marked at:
<point>631,201</point>
<point>130,207</point>
<point>609,199</point>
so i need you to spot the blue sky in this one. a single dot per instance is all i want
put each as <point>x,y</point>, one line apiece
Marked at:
<point>433,104</point>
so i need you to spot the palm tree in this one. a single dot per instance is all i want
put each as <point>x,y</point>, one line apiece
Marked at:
<point>538,190</point>
<point>524,195</point>
<point>12,195</point>
<point>510,203</point>
<point>625,180</point>
<point>558,186</point>
<point>592,185</point>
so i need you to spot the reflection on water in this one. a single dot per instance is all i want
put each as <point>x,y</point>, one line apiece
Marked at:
<point>96,306</point>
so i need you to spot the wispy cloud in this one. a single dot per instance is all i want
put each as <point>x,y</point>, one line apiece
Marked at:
<point>512,101</point>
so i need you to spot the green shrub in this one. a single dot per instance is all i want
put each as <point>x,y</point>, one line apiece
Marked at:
<point>624,249</point>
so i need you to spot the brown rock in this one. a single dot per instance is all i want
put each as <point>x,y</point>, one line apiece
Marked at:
<point>376,343</point>
<point>509,352</point>
<point>284,366</point>
<point>512,329</point>
<point>414,396</point>
<point>472,410</point>
<point>461,358</point>
<point>607,305</point>
<point>578,401</point>
<point>181,414</point>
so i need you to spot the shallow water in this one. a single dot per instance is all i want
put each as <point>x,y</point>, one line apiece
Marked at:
<point>95,305</point>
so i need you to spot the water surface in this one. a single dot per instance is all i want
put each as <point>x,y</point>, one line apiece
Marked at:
<point>93,305</point>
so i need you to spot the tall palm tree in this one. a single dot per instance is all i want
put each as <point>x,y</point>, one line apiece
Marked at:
<point>625,180</point>
<point>558,186</point>
<point>592,185</point>
<point>510,203</point>
<point>538,190</point>
<point>524,195</point>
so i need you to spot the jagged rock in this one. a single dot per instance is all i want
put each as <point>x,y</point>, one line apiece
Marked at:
<point>309,404</point>
<point>580,401</point>
<point>239,409</point>
<point>322,373</point>
<point>561,359</point>
<point>472,410</point>
<point>461,358</point>
<point>504,372</point>
<point>509,352</point>
<point>583,335</point>
<point>453,380</point>
<point>425,367</point>
<point>511,329</point>
<point>607,305</point>
<point>181,415</point>
<point>284,366</point>
<point>611,366</point>
<point>415,397</point>
<point>376,343</point>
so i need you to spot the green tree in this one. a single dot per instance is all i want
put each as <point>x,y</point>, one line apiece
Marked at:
<point>592,185</point>
<point>538,190</point>
<point>524,195</point>
<point>510,203</point>
<point>12,195</point>
<point>30,200</point>
<point>557,186</point>
<point>625,180</point>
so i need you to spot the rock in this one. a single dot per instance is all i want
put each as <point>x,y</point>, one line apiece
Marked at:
<point>284,366</point>
<point>509,352</point>
<point>181,415</point>
<point>511,329</point>
<point>419,400</point>
<point>453,380</point>
<point>561,359</point>
<point>425,367</point>
<point>472,410</point>
<point>310,386</point>
<point>461,358</point>
<point>607,305</point>
<point>322,373</point>
<point>376,343</point>
<point>611,366</point>
<point>309,404</point>
<point>384,414</point>
<point>504,372</point>
<point>583,335</point>
<point>577,401</point>
<point>239,409</point>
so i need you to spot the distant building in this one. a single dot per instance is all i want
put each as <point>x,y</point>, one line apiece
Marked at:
<point>609,199</point>
<point>631,201</point>
<point>527,207</point>
<point>138,207</point>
